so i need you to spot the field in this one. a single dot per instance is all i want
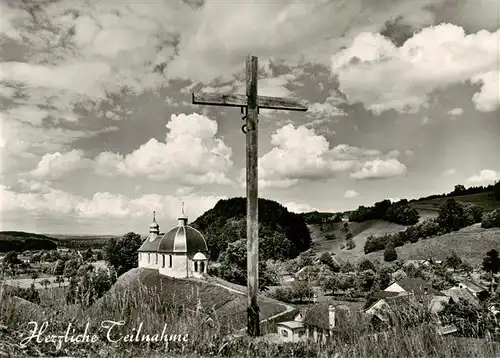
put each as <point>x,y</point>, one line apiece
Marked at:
<point>470,243</point>
<point>360,231</point>
<point>485,200</point>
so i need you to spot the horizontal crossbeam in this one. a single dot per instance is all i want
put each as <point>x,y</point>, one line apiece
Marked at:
<point>239,100</point>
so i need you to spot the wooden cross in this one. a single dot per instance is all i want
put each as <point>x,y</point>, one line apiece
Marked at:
<point>251,102</point>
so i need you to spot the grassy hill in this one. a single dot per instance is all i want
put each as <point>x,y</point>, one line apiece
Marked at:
<point>360,231</point>
<point>227,307</point>
<point>484,200</point>
<point>20,241</point>
<point>470,243</point>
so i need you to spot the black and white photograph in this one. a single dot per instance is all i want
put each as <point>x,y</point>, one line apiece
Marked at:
<point>250,178</point>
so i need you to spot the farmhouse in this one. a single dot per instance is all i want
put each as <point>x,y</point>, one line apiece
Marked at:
<point>182,252</point>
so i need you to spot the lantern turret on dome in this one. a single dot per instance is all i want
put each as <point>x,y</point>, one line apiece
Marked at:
<point>183,219</point>
<point>154,228</point>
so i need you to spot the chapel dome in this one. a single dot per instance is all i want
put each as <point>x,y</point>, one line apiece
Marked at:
<point>182,239</point>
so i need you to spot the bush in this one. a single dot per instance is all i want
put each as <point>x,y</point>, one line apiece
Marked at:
<point>473,213</point>
<point>377,243</point>
<point>390,254</point>
<point>330,236</point>
<point>327,260</point>
<point>491,219</point>
<point>365,265</point>
<point>350,244</point>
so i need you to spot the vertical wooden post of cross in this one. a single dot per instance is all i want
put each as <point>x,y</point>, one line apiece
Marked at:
<point>252,124</point>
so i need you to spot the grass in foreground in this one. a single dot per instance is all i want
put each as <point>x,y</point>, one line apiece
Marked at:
<point>139,303</point>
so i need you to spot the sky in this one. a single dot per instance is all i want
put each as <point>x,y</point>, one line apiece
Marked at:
<point>98,130</point>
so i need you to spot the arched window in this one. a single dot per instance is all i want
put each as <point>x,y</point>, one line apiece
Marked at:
<point>196,266</point>
<point>156,259</point>
<point>163,261</point>
<point>170,259</point>
<point>202,267</point>
<point>149,258</point>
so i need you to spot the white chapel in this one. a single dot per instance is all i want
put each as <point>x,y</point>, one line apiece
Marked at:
<point>182,252</point>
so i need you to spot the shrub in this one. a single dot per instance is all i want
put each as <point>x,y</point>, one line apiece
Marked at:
<point>390,254</point>
<point>365,265</point>
<point>330,236</point>
<point>473,213</point>
<point>327,260</point>
<point>350,244</point>
<point>491,219</point>
<point>376,243</point>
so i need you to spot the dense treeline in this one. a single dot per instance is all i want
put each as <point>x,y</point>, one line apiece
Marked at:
<point>316,218</point>
<point>453,216</point>
<point>22,241</point>
<point>401,212</point>
<point>282,234</point>
<point>461,190</point>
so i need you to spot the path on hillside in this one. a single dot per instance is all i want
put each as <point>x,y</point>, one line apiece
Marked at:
<point>242,291</point>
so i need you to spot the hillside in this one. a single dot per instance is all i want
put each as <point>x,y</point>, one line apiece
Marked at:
<point>282,234</point>
<point>470,243</point>
<point>21,241</point>
<point>224,305</point>
<point>486,201</point>
<point>360,231</point>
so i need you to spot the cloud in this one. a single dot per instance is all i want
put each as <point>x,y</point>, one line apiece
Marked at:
<point>51,203</point>
<point>379,168</point>
<point>191,154</point>
<point>299,154</point>
<point>217,45</point>
<point>455,112</point>
<point>375,72</point>
<point>299,207</point>
<point>55,165</point>
<point>448,172</point>
<point>349,194</point>
<point>484,177</point>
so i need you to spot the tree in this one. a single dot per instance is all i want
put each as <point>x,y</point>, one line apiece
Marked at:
<point>327,260</point>
<point>71,267</point>
<point>473,322</point>
<point>301,290</point>
<point>453,261</point>
<point>11,259</point>
<point>350,244</point>
<point>491,264</point>
<point>121,254</point>
<point>459,190</point>
<point>491,220</point>
<point>451,216</point>
<point>390,254</point>
<point>366,264</point>
<point>496,189</point>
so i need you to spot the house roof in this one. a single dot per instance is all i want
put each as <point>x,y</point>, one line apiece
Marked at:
<point>317,315</point>
<point>418,286</point>
<point>457,293</point>
<point>444,330</point>
<point>473,286</point>
<point>291,324</point>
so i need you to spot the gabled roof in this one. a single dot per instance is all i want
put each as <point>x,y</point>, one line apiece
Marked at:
<point>457,293</point>
<point>418,286</point>
<point>473,286</point>
<point>291,324</point>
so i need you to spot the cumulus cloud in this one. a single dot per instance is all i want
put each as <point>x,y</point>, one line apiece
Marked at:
<point>484,177</point>
<point>55,165</point>
<point>101,206</point>
<point>375,72</point>
<point>349,194</point>
<point>379,168</point>
<point>455,112</point>
<point>301,154</point>
<point>191,154</point>
<point>299,207</point>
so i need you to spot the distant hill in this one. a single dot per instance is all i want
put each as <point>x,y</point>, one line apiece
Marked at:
<point>21,241</point>
<point>486,201</point>
<point>282,234</point>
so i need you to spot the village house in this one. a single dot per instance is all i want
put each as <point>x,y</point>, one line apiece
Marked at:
<point>476,289</point>
<point>320,321</point>
<point>182,252</point>
<point>457,294</point>
<point>401,293</point>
